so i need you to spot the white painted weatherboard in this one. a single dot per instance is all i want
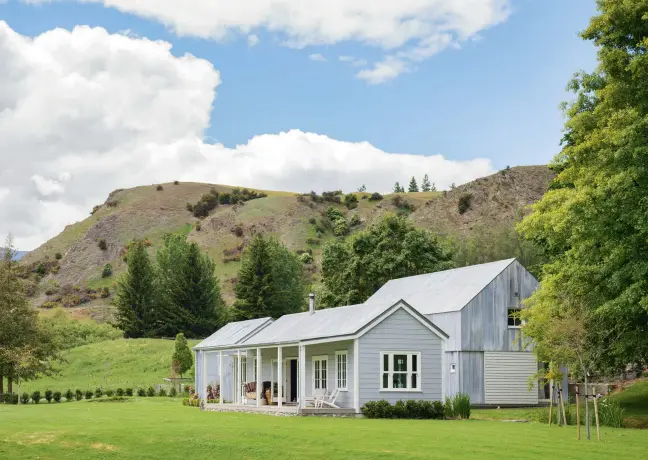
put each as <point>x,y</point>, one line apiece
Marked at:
<point>506,377</point>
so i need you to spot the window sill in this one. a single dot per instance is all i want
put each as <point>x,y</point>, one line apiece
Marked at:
<point>515,327</point>
<point>343,389</point>
<point>400,390</point>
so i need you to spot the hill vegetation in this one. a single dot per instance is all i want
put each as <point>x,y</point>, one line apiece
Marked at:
<point>70,269</point>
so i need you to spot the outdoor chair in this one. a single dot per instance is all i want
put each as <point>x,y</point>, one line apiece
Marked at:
<point>328,400</point>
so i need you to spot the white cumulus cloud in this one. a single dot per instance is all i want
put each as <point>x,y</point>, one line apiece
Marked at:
<point>412,27</point>
<point>84,112</point>
<point>253,40</point>
<point>316,57</point>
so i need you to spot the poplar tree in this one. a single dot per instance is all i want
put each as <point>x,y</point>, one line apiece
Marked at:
<point>182,359</point>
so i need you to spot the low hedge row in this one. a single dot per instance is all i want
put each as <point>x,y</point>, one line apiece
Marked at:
<point>78,395</point>
<point>457,407</point>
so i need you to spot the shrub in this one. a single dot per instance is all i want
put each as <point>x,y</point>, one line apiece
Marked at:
<point>107,271</point>
<point>159,188</point>
<point>238,230</point>
<point>89,394</point>
<point>12,398</point>
<point>58,256</point>
<point>150,391</point>
<point>403,205</point>
<point>98,392</point>
<point>141,392</point>
<point>175,182</point>
<point>191,402</point>
<point>69,395</point>
<point>104,292</point>
<point>48,396</point>
<point>340,227</point>
<point>198,226</point>
<point>312,221</point>
<point>95,209</point>
<point>461,405</point>
<point>24,398</point>
<point>78,395</point>
<point>350,201</point>
<point>189,207</point>
<point>375,196</point>
<point>162,392</point>
<point>36,397</point>
<point>464,203</point>
<point>312,241</point>
<point>110,393</point>
<point>413,409</point>
<point>119,392</point>
<point>355,220</point>
<point>102,244</point>
<point>129,392</point>
<point>57,396</point>
<point>448,410</point>
<point>400,410</point>
<point>306,258</point>
<point>173,392</point>
<point>438,411</point>
<point>334,214</point>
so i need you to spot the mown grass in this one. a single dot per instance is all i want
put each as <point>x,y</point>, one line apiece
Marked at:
<point>112,364</point>
<point>154,428</point>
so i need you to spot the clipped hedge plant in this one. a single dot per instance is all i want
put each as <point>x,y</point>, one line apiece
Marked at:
<point>410,409</point>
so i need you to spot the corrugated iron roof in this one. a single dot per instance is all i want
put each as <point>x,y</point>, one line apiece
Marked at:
<point>233,333</point>
<point>440,292</point>
<point>331,322</point>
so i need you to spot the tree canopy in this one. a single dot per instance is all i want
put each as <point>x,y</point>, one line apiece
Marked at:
<point>182,359</point>
<point>391,247</point>
<point>413,186</point>
<point>594,220</point>
<point>270,281</point>
<point>425,184</point>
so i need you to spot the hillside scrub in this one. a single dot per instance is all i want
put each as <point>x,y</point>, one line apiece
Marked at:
<point>71,333</point>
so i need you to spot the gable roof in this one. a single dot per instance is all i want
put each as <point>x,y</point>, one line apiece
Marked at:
<point>324,324</point>
<point>440,292</point>
<point>233,333</point>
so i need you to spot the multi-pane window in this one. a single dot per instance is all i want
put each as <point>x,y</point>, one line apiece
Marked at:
<point>320,372</point>
<point>341,360</point>
<point>514,319</point>
<point>401,371</point>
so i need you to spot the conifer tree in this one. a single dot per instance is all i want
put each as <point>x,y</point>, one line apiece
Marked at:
<point>425,184</point>
<point>182,359</point>
<point>270,281</point>
<point>413,187</point>
<point>397,188</point>
<point>189,292</point>
<point>135,294</point>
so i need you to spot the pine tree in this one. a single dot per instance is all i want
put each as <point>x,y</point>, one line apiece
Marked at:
<point>135,294</point>
<point>270,281</point>
<point>413,187</point>
<point>182,359</point>
<point>254,288</point>
<point>397,188</point>
<point>189,292</point>
<point>425,184</point>
<point>433,187</point>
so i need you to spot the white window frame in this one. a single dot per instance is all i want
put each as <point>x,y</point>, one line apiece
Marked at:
<point>453,368</point>
<point>244,369</point>
<point>410,372</point>
<point>508,316</point>
<point>254,371</point>
<point>344,378</point>
<point>320,359</point>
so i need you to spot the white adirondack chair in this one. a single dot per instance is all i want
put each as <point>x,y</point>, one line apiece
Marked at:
<point>328,400</point>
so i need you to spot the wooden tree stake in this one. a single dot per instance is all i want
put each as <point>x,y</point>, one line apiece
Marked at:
<point>577,412</point>
<point>598,427</point>
<point>550,400</point>
<point>562,403</point>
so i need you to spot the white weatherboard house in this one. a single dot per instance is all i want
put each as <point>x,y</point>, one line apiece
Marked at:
<point>420,337</point>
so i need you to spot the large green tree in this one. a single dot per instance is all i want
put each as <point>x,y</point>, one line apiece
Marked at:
<point>425,184</point>
<point>270,281</point>
<point>135,299</point>
<point>27,349</point>
<point>594,220</point>
<point>391,247</point>
<point>188,291</point>
<point>413,186</point>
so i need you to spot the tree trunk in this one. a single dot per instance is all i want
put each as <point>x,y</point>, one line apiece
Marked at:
<point>9,385</point>
<point>1,385</point>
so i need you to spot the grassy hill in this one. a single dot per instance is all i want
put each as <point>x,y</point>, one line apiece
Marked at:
<point>111,364</point>
<point>146,212</point>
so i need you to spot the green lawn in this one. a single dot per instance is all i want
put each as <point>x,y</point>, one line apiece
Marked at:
<point>161,428</point>
<point>111,364</point>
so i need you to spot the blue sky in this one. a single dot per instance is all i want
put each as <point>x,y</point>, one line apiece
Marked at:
<point>496,97</point>
<point>95,97</point>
